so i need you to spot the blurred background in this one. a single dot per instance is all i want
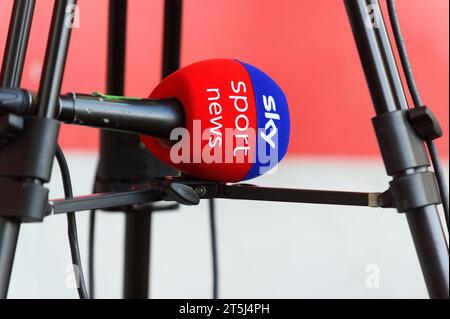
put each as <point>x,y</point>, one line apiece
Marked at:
<point>266,250</point>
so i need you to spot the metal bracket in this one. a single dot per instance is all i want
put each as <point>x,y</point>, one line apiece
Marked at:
<point>411,192</point>
<point>189,192</point>
<point>26,160</point>
<point>10,126</point>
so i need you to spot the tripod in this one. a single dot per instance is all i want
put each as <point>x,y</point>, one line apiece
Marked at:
<point>413,189</point>
<point>123,160</point>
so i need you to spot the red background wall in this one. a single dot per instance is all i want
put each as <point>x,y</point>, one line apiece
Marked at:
<point>306,46</point>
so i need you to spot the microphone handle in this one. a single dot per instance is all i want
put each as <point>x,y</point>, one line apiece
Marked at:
<point>155,117</point>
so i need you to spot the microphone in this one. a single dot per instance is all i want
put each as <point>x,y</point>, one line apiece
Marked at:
<point>236,121</point>
<point>220,119</point>
<point>133,115</point>
<point>156,117</point>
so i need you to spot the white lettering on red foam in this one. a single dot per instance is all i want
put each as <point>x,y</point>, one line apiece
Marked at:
<point>215,109</point>
<point>241,122</point>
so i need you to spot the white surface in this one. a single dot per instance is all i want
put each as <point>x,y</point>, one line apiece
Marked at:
<point>267,250</point>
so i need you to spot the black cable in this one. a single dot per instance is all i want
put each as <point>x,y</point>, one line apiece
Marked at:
<point>91,253</point>
<point>215,273</point>
<point>399,41</point>
<point>440,176</point>
<point>72,225</point>
<point>414,91</point>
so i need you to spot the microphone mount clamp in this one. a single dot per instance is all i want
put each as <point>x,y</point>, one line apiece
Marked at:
<point>187,191</point>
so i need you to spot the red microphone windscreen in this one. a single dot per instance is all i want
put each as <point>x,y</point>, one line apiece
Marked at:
<point>236,121</point>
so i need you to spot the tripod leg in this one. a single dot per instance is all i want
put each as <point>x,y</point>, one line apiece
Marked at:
<point>172,36</point>
<point>123,162</point>
<point>9,233</point>
<point>138,224</point>
<point>11,74</point>
<point>388,97</point>
<point>137,254</point>
<point>431,249</point>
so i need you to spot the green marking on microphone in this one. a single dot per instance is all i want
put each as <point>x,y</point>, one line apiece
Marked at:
<point>114,97</point>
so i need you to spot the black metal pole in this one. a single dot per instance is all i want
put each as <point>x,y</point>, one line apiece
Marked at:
<point>55,59</point>
<point>11,75</point>
<point>137,254</point>
<point>109,141</point>
<point>214,252</point>
<point>138,224</point>
<point>9,234</point>
<point>387,95</point>
<point>117,29</point>
<point>124,161</point>
<point>49,91</point>
<point>17,43</point>
<point>172,36</point>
